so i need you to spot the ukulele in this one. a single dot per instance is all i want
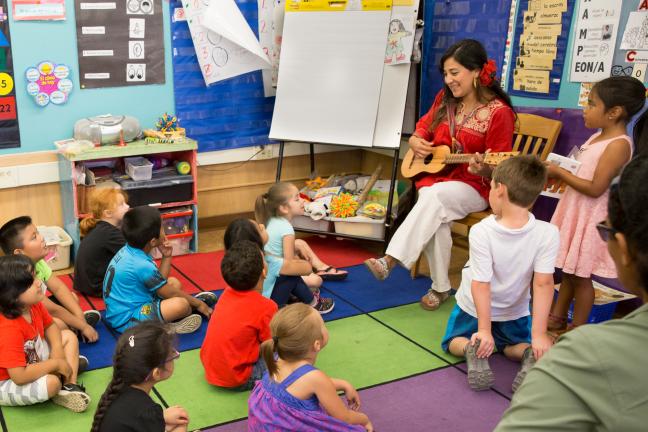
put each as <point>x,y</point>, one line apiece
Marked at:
<point>442,156</point>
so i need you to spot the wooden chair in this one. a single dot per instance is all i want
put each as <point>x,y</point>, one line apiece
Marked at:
<point>534,135</point>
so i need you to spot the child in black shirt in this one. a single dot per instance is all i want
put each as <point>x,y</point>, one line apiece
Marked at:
<point>143,357</point>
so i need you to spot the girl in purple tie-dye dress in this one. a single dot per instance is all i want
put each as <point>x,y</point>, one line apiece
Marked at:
<point>294,395</point>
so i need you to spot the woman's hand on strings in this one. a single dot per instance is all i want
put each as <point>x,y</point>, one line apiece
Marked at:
<point>420,147</point>
<point>478,167</point>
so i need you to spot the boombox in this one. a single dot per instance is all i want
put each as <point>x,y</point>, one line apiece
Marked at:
<point>107,129</point>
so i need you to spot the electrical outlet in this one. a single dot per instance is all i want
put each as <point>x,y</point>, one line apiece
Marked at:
<point>8,177</point>
<point>263,152</point>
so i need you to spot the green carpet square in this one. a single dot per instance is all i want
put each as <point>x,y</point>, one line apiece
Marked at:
<point>424,327</point>
<point>47,416</point>
<point>360,350</point>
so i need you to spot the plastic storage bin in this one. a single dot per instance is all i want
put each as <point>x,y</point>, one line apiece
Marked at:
<point>176,220</point>
<point>179,242</point>
<point>360,226</point>
<point>305,222</point>
<point>138,168</point>
<point>58,244</point>
<point>165,186</point>
<point>605,303</point>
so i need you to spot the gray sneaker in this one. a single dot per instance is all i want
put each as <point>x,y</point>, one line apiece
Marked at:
<point>480,375</point>
<point>84,364</point>
<point>207,297</point>
<point>186,325</point>
<point>528,361</point>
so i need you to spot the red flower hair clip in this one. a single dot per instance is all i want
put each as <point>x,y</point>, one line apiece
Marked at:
<point>487,74</point>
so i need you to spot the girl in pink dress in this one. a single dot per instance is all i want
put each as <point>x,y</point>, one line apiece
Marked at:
<point>612,102</point>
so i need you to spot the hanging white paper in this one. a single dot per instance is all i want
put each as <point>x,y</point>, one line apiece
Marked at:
<point>224,43</point>
<point>596,32</point>
<point>635,36</point>
<point>400,38</point>
<point>266,9</point>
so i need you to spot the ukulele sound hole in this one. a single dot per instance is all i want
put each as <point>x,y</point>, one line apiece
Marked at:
<point>428,159</point>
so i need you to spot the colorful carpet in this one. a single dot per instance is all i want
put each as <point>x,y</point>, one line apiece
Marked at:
<point>381,341</point>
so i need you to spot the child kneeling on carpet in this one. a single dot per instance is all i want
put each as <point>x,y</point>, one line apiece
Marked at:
<point>275,209</point>
<point>102,239</point>
<point>144,356</point>
<point>20,236</point>
<point>240,322</point>
<point>507,251</point>
<point>38,361</point>
<point>135,290</point>
<point>294,395</point>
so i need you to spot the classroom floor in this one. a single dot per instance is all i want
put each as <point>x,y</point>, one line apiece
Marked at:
<point>380,340</point>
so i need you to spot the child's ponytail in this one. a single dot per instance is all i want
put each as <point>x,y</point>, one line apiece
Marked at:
<point>139,350</point>
<point>267,204</point>
<point>86,225</point>
<point>114,388</point>
<point>295,328</point>
<point>268,350</point>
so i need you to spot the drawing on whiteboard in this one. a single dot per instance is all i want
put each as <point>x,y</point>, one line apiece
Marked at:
<point>135,49</point>
<point>136,28</point>
<point>135,72</point>
<point>139,7</point>
<point>636,32</point>
<point>395,47</point>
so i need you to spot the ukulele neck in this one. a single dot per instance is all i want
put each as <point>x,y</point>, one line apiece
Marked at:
<point>457,158</point>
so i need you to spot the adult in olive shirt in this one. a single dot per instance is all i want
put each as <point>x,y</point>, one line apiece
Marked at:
<point>595,378</point>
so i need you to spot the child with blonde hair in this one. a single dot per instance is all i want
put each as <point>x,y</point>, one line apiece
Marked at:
<point>275,209</point>
<point>293,394</point>
<point>611,104</point>
<point>102,238</point>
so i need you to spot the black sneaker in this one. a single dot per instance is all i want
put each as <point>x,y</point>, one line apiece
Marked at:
<point>480,375</point>
<point>207,297</point>
<point>92,317</point>
<point>528,361</point>
<point>72,397</point>
<point>84,363</point>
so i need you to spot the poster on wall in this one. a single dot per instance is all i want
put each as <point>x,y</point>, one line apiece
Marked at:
<point>9,133</point>
<point>538,52</point>
<point>631,59</point>
<point>120,43</point>
<point>48,82</point>
<point>595,38</point>
<point>38,10</point>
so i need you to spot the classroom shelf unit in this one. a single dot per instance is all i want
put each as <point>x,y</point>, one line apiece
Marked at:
<point>186,203</point>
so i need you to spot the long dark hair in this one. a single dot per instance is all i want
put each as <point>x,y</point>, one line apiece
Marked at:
<point>242,229</point>
<point>139,350</point>
<point>627,209</point>
<point>470,54</point>
<point>16,276</point>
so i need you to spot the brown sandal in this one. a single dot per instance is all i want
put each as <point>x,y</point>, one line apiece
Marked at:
<point>378,268</point>
<point>433,299</point>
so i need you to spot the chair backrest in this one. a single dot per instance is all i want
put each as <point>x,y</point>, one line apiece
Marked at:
<point>535,135</point>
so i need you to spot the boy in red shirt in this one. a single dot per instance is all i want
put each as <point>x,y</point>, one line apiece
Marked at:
<point>240,321</point>
<point>38,361</point>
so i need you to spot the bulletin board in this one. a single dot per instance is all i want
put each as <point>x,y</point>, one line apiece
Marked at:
<point>537,77</point>
<point>120,44</point>
<point>449,22</point>
<point>630,62</point>
<point>228,114</point>
<point>9,133</point>
<point>40,126</point>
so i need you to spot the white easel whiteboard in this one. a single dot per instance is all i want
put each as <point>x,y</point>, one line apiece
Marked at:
<point>330,74</point>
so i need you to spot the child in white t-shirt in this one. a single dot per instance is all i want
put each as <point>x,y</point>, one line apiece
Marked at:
<point>508,250</point>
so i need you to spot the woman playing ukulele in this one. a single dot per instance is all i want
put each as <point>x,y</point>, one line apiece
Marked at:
<point>471,114</point>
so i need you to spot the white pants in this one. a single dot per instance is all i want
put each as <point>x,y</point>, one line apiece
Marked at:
<point>427,228</point>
